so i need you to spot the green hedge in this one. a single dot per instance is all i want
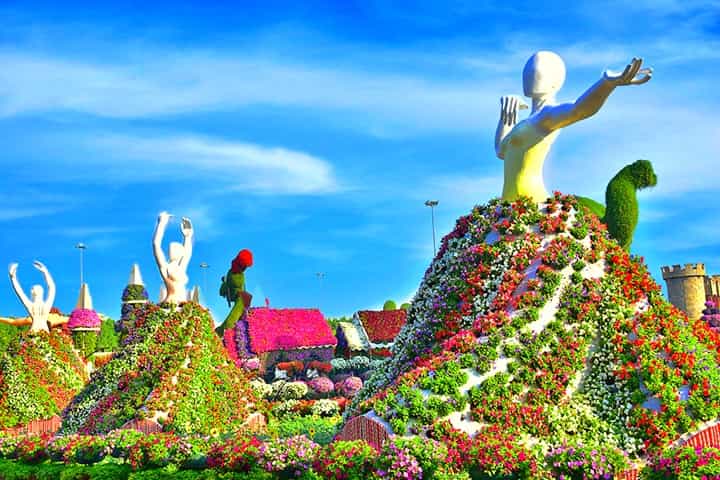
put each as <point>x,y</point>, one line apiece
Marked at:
<point>621,211</point>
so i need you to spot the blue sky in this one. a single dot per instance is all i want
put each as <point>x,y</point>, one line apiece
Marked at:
<point>312,134</point>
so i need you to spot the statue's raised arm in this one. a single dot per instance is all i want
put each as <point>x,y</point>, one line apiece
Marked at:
<point>160,227</point>
<point>187,231</point>
<point>17,288</point>
<point>554,117</point>
<point>524,145</point>
<point>50,284</point>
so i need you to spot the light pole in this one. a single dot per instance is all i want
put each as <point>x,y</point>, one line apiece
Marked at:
<point>204,267</point>
<point>81,246</point>
<point>320,276</point>
<point>432,204</point>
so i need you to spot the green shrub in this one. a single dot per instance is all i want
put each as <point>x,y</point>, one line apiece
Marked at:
<point>621,211</point>
<point>8,333</point>
<point>108,340</point>
<point>595,207</point>
<point>390,305</point>
<point>85,342</point>
<point>319,429</point>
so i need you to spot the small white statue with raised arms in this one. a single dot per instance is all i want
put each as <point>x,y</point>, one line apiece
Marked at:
<point>38,308</point>
<point>524,145</point>
<point>174,270</point>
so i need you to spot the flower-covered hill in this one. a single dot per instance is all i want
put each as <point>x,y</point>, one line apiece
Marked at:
<point>172,369</point>
<point>532,322</point>
<point>39,375</point>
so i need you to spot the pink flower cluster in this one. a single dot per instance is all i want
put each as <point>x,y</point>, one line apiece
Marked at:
<point>83,318</point>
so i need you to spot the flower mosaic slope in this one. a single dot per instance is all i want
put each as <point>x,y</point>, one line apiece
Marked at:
<point>39,375</point>
<point>533,322</point>
<point>172,369</point>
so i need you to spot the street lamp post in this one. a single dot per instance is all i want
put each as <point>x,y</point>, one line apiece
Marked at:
<point>81,246</point>
<point>204,267</point>
<point>320,276</point>
<point>432,204</point>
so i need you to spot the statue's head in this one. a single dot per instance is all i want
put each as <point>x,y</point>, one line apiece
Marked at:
<point>36,293</point>
<point>177,251</point>
<point>544,74</point>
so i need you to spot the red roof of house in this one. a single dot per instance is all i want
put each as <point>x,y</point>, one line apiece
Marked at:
<point>272,329</point>
<point>382,326</point>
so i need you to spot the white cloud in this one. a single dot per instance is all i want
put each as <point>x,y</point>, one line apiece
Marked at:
<point>17,204</point>
<point>16,213</point>
<point>171,82</point>
<point>235,165</point>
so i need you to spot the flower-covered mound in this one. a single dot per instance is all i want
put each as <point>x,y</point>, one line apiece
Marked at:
<point>171,369</point>
<point>532,322</point>
<point>39,375</point>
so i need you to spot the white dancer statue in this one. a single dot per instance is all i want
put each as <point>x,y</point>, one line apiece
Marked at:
<point>173,272</point>
<point>524,145</point>
<point>37,308</point>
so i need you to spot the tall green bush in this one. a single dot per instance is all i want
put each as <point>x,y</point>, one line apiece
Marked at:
<point>621,212</point>
<point>85,342</point>
<point>108,340</point>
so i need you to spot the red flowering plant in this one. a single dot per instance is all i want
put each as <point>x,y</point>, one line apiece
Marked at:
<point>236,453</point>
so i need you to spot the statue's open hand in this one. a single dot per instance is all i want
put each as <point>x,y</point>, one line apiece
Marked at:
<point>40,266</point>
<point>186,227</point>
<point>12,270</point>
<point>509,106</point>
<point>164,218</point>
<point>632,75</point>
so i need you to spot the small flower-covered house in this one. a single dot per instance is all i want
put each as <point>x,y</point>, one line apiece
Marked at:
<point>284,334</point>
<point>371,332</point>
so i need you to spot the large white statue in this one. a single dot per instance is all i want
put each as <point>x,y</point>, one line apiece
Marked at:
<point>174,271</point>
<point>37,308</point>
<point>524,145</point>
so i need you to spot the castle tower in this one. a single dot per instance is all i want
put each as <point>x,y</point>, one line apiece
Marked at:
<point>712,286</point>
<point>686,287</point>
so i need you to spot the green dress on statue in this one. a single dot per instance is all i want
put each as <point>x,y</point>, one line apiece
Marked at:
<point>233,290</point>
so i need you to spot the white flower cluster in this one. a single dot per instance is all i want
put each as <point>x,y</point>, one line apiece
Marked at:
<point>282,390</point>
<point>609,396</point>
<point>325,408</point>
